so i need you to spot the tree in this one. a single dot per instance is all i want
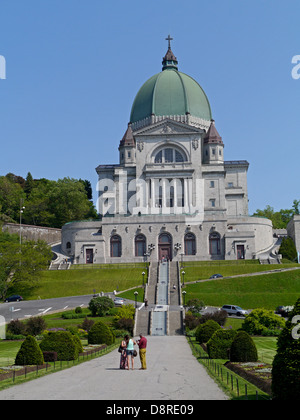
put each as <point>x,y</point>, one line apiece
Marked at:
<point>260,320</point>
<point>29,184</point>
<point>279,218</point>
<point>11,194</point>
<point>286,363</point>
<point>296,204</point>
<point>22,264</point>
<point>68,202</point>
<point>100,306</point>
<point>288,249</point>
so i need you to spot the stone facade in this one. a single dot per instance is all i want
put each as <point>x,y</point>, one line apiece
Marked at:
<point>293,230</point>
<point>172,195</point>
<point>196,209</point>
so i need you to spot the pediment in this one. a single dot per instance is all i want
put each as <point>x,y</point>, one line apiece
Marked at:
<point>167,127</point>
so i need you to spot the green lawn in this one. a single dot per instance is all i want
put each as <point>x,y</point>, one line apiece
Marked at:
<point>8,351</point>
<point>203,270</point>
<point>267,291</point>
<point>78,282</point>
<point>266,348</point>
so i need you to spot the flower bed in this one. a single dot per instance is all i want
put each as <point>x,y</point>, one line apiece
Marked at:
<point>9,372</point>
<point>257,373</point>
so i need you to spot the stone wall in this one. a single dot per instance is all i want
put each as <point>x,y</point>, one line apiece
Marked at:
<point>30,232</point>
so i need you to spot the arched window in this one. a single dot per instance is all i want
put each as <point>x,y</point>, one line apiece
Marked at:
<point>190,244</point>
<point>115,246</point>
<point>140,245</point>
<point>214,244</point>
<point>170,155</point>
<point>68,245</point>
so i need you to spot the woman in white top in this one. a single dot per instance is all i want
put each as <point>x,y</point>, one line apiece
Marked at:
<point>129,350</point>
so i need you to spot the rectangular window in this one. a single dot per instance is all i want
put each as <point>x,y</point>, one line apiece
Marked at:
<point>212,184</point>
<point>213,202</point>
<point>168,155</point>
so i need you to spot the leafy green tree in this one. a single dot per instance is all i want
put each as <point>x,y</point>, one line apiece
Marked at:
<point>11,194</point>
<point>100,305</point>
<point>22,263</point>
<point>286,363</point>
<point>260,320</point>
<point>288,249</point>
<point>68,202</point>
<point>29,184</point>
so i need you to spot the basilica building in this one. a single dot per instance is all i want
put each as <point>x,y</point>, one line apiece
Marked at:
<point>172,195</point>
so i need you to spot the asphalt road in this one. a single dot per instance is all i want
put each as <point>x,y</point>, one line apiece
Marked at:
<point>173,373</point>
<point>28,308</point>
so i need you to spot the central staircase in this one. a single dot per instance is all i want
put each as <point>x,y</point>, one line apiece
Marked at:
<point>163,314</point>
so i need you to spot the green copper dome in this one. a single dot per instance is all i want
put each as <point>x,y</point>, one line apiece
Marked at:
<point>169,93</point>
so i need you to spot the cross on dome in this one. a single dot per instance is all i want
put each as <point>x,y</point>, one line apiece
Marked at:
<point>169,39</point>
<point>169,60</point>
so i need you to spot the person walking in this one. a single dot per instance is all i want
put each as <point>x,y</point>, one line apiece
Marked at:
<point>142,343</point>
<point>129,350</point>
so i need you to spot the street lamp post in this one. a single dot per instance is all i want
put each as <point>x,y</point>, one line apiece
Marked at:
<point>135,298</point>
<point>184,293</point>
<point>143,274</point>
<point>22,208</point>
<point>183,273</point>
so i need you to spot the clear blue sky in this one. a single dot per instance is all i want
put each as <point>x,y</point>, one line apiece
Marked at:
<point>73,68</point>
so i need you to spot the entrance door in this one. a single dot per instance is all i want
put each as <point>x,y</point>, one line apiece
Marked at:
<point>240,251</point>
<point>89,256</point>
<point>165,247</point>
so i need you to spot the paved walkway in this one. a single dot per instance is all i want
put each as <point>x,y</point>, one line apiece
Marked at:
<point>173,374</point>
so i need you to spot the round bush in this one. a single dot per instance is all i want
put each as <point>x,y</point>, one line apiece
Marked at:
<point>205,331</point>
<point>100,333</point>
<point>259,321</point>
<point>218,346</point>
<point>29,353</point>
<point>62,343</point>
<point>243,348</point>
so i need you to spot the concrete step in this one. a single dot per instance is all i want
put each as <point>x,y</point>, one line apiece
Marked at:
<point>175,323</point>
<point>142,322</point>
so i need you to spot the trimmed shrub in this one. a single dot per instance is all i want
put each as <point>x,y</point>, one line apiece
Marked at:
<point>78,310</point>
<point>100,333</point>
<point>78,344</point>
<point>35,325</point>
<point>16,327</point>
<point>50,356</point>
<point>243,348</point>
<point>218,347</point>
<point>62,343</point>
<point>260,321</point>
<point>29,353</point>
<point>286,363</point>
<point>205,331</point>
